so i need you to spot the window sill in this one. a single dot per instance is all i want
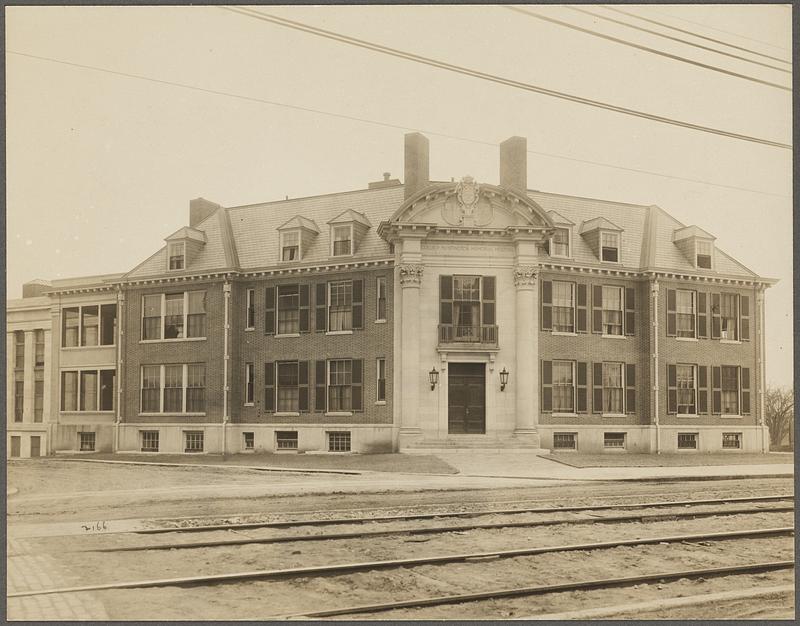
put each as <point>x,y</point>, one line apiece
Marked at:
<point>731,417</point>
<point>560,333</point>
<point>249,329</point>
<point>89,412</point>
<point>686,415</point>
<point>287,414</point>
<point>103,345</point>
<point>613,415</point>
<point>690,339</point>
<point>171,414</point>
<point>282,335</point>
<point>249,403</point>
<point>380,402</point>
<point>172,340</point>
<point>565,415</point>
<point>338,414</point>
<point>338,332</point>
<point>380,321</point>
<point>613,337</point>
<point>729,341</point>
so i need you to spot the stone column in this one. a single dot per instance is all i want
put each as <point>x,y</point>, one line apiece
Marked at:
<point>48,350</point>
<point>410,279</point>
<point>30,358</point>
<point>525,381</point>
<point>10,378</point>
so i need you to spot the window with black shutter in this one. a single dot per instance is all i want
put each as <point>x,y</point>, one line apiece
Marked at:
<point>702,390</point>
<point>488,300</point>
<point>269,387</point>
<point>630,388</point>
<point>358,304</point>
<point>702,315</point>
<point>744,312</point>
<point>357,392</point>
<point>547,386</point>
<point>305,304</point>
<point>445,299</point>
<point>269,311</point>
<point>630,311</point>
<point>745,385</point>
<point>547,305</point>
<point>582,300</point>
<point>321,307</point>
<point>320,393</point>
<point>672,323</point>
<point>597,309</point>
<point>302,386</point>
<point>672,389</point>
<point>716,390</point>
<point>716,316</point>
<point>597,388</point>
<point>582,388</point>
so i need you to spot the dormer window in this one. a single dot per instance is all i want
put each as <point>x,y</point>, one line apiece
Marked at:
<point>177,255</point>
<point>290,246</point>
<point>704,253</point>
<point>342,240</point>
<point>609,243</point>
<point>559,243</point>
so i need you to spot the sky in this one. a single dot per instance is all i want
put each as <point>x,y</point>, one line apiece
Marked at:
<point>101,167</point>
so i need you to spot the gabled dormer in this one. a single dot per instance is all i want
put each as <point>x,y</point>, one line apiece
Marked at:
<point>697,245</point>
<point>183,246</point>
<point>347,231</point>
<point>604,238</point>
<point>559,245</point>
<point>296,237</point>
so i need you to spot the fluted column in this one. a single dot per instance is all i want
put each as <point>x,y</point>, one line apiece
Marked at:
<point>410,279</point>
<point>525,380</point>
<point>28,388</point>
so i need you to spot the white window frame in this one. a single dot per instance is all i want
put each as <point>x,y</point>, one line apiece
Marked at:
<point>618,236</point>
<point>573,366</point>
<point>331,434</point>
<point>278,439</point>
<point>93,440</point>
<point>574,440</point>
<point>678,313</point>
<point>697,244</point>
<point>621,311</point>
<point>282,238</point>
<point>250,300</point>
<point>245,445</point>
<point>164,314</point>
<point>574,297</point>
<point>170,246</point>
<point>78,389</point>
<point>249,384</point>
<point>678,388</point>
<point>328,386</point>
<point>100,326</point>
<point>334,228</point>
<point>696,440</point>
<point>623,373</point>
<point>624,445</point>
<point>378,361</point>
<point>161,380</point>
<point>186,434</point>
<point>568,255</point>
<point>158,440</point>
<point>381,280</point>
<point>346,331</point>
<point>738,441</point>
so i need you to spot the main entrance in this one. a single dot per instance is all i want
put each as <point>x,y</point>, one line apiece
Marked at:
<point>466,403</point>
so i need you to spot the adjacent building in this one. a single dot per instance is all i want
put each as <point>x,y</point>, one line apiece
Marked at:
<point>409,317</point>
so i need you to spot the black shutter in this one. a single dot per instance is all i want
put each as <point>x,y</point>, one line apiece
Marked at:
<point>269,387</point>
<point>547,386</point>
<point>357,385</point>
<point>321,308</point>
<point>269,311</point>
<point>672,389</point>
<point>702,315</point>
<point>488,299</point>
<point>302,386</point>
<point>582,298</point>
<point>597,388</point>
<point>702,390</point>
<point>745,385</point>
<point>582,395</point>
<point>597,309</point>
<point>630,388</point>
<point>672,320</point>
<point>715,316</point>
<point>630,311</point>
<point>446,300</point>
<point>716,390</point>
<point>547,305</point>
<point>744,308</point>
<point>358,304</point>
<point>305,303</point>
<point>319,386</point>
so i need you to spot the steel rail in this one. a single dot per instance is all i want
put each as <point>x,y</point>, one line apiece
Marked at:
<point>432,530</point>
<point>473,513</point>
<point>601,583</point>
<point>314,570</point>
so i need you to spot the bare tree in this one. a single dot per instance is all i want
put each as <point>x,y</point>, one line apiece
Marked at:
<point>779,413</point>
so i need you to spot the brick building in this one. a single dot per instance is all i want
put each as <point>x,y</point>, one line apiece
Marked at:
<point>410,317</point>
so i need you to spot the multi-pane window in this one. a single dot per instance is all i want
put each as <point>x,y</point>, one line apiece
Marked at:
<point>609,243</point>
<point>565,441</point>
<point>108,324</point>
<point>174,315</point>
<point>290,246</point>
<point>90,325</point>
<point>730,390</point>
<point>613,388</point>
<point>687,391</point>
<point>38,395</point>
<point>612,310</point>
<point>193,441</point>
<point>70,327</point>
<point>731,440</point>
<point>729,315</point>
<point>339,441</point>
<point>340,379</point>
<point>249,440</point>
<point>249,383</point>
<point>687,441</point>
<point>381,376</point>
<point>19,349</point>
<point>563,387</point>
<point>38,343</point>
<point>19,397</point>
<point>251,309</point>
<point>614,440</point>
<point>286,439</point>
<point>380,290</point>
<point>288,387</point>
<point>559,242</point>
<point>563,306</point>
<point>86,442</point>
<point>342,240</point>
<point>685,313</point>
<point>149,440</point>
<point>467,307</point>
<point>177,255</point>
<point>87,390</point>
<point>704,252</point>
<point>340,305</point>
<point>288,309</point>
<point>173,388</point>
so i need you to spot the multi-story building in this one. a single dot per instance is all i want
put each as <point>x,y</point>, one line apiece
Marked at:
<point>414,316</point>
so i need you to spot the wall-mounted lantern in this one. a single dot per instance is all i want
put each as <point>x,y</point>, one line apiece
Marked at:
<point>433,376</point>
<point>503,379</point>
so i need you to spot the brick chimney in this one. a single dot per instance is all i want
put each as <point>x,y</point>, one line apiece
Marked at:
<point>200,209</point>
<point>417,164</point>
<point>514,164</point>
<point>35,288</point>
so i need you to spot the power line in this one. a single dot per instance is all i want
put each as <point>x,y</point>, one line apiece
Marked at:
<point>378,123</point>
<point>678,39</point>
<point>497,79</point>
<point>637,46</point>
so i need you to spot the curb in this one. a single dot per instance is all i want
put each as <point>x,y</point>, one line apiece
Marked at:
<point>644,479</point>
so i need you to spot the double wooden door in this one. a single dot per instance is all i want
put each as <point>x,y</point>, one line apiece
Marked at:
<point>466,393</point>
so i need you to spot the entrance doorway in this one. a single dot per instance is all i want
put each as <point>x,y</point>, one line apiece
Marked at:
<point>466,404</point>
<point>36,446</point>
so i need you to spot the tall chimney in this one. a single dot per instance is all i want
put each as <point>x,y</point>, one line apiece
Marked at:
<point>417,174</point>
<point>200,209</point>
<point>514,164</point>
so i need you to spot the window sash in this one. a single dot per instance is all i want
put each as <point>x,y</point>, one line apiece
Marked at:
<point>342,240</point>
<point>613,388</point>
<point>612,310</point>
<point>340,379</point>
<point>19,349</point>
<point>251,309</point>
<point>288,386</point>
<point>288,309</point>
<point>380,306</point>
<point>340,305</point>
<point>249,383</point>
<point>686,389</point>
<point>559,243</point>
<point>173,388</point>
<point>149,440</point>
<point>381,378</point>
<point>563,382</point>
<point>563,307</point>
<point>177,255</point>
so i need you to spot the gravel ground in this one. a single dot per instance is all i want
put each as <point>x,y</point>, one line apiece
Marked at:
<point>667,460</point>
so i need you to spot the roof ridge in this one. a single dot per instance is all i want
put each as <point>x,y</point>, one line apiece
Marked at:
<point>564,195</point>
<point>322,195</point>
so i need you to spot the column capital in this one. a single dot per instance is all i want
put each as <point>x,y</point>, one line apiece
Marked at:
<point>525,275</point>
<point>410,274</point>
<point>654,288</point>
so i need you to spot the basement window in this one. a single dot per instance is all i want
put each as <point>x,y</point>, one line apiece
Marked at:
<point>614,440</point>
<point>149,440</point>
<point>286,439</point>
<point>731,441</point>
<point>194,441</point>
<point>687,441</point>
<point>249,441</point>
<point>339,441</point>
<point>565,441</point>
<point>86,442</point>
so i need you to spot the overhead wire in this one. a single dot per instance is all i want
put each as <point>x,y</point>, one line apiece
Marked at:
<point>352,118</point>
<point>637,46</point>
<point>260,15</point>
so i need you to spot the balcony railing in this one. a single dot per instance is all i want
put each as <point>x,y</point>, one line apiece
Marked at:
<point>484,334</point>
